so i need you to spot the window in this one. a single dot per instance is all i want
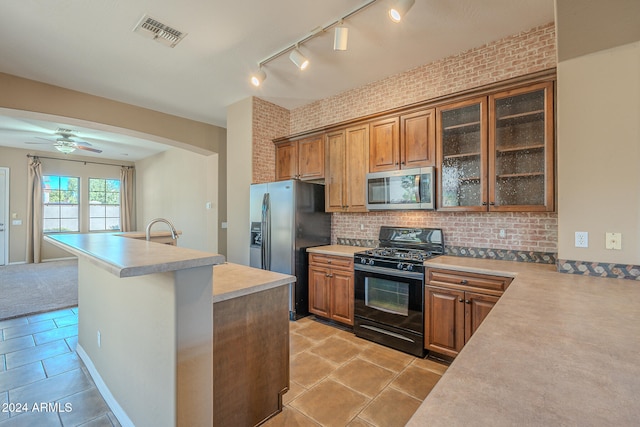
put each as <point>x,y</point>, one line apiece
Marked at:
<point>104,204</point>
<point>60,200</point>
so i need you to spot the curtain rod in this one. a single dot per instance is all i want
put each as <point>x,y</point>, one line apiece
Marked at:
<point>79,161</point>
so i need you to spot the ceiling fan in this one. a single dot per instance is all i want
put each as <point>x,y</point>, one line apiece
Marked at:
<point>65,144</point>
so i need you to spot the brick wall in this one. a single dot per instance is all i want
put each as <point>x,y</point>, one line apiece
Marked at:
<point>513,56</point>
<point>269,121</point>
<point>537,232</point>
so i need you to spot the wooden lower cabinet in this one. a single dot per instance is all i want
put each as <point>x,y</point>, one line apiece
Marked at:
<point>455,308</point>
<point>331,290</point>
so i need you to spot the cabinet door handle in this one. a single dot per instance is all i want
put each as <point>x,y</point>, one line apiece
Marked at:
<point>467,301</point>
<point>484,203</point>
<point>492,203</point>
<point>463,282</point>
<point>328,261</point>
<point>460,300</point>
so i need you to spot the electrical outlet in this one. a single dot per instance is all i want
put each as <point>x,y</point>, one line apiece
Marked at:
<point>99,340</point>
<point>582,239</point>
<point>502,234</point>
<point>613,241</point>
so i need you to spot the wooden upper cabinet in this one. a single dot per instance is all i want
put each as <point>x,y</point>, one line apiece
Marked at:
<point>311,158</point>
<point>418,139</point>
<point>286,155</point>
<point>404,142</point>
<point>302,159</point>
<point>384,145</point>
<point>462,155</point>
<point>496,153</point>
<point>357,156</point>
<point>334,185</point>
<point>521,149</point>
<point>347,167</point>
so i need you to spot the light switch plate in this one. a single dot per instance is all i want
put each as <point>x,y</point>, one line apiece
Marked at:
<point>613,241</point>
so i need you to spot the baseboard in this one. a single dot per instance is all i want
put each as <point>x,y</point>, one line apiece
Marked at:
<point>17,263</point>
<point>115,407</point>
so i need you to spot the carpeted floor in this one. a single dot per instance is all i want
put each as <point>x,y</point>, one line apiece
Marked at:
<point>34,288</point>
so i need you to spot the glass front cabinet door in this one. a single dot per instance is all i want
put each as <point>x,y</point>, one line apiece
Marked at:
<point>521,144</point>
<point>461,155</point>
<point>496,153</point>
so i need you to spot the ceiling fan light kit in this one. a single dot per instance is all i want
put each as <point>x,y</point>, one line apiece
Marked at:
<point>65,147</point>
<point>398,10</point>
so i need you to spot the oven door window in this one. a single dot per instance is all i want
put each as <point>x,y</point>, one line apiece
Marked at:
<point>387,295</point>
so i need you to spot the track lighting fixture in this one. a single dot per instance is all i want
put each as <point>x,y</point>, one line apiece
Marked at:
<point>299,59</point>
<point>340,38</point>
<point>339,42</point>
<point>399,9</point>
<point>259,77</point>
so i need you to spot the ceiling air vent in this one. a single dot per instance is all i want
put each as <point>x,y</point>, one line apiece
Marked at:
<point>158,31</point>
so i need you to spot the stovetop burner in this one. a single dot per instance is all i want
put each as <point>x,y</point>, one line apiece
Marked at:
<point>403,248</point>
<point>400,254</point>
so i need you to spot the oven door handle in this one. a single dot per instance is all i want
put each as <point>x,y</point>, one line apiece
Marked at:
<point>388,271</point>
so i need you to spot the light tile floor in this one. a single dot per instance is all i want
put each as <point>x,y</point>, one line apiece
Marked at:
<point>336,379</point>
<point>42,380</point>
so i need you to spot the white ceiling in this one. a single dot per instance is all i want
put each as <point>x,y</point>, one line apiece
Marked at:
<point>89,46</point>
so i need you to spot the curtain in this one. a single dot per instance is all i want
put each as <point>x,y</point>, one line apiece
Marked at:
<point>126,198</point>
<point>34,212</point>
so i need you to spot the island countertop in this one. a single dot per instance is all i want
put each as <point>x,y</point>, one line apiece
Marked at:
<point>557,349</point>
<point>235,280</point>
<point>126,257</point>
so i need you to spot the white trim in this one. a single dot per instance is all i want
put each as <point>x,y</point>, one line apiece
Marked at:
<point>115,407</point>
<point>6,219</point>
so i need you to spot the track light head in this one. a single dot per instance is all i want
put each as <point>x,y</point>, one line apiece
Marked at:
<point>259,77</point>
<point>340,38</point>
<point>399,9</point>
<point>299,59</point>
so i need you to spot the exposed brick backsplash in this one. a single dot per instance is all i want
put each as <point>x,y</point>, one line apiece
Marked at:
<point>269,121</point>
<point>513,56</point>
<point>525,231</point>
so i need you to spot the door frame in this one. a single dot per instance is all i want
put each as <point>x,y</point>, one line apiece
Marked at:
<point>5,243</point>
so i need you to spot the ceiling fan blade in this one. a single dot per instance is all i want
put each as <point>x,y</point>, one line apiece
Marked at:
<point>81,147</point>
<point>36,143</point>
<point>46,139</point>
<point>84,143</point>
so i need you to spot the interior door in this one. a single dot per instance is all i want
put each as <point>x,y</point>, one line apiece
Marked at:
<point>4,218</point>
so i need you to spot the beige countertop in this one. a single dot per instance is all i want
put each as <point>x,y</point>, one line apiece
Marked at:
<point>235,280</point>
<point>131,257</point>
<point>338,250</point>
<point>557,349</point>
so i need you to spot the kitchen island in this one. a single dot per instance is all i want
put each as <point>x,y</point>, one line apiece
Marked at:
<point>145,326</point>
<point>250,344</point>
<point>557,349</point>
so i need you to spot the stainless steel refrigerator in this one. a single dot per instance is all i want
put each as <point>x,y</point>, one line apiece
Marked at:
<point>287,217</point>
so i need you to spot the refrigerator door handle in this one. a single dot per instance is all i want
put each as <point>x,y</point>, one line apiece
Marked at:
<point>265,249</point>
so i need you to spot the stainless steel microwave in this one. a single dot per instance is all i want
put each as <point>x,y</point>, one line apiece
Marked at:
<point>401,189</point>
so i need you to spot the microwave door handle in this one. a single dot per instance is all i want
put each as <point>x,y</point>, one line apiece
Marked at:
<point>417,189</point>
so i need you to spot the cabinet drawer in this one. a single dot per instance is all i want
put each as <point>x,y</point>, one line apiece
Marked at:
<point>331,260</point>
<point>468,281</point>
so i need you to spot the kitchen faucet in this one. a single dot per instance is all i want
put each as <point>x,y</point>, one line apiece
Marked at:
<point>174,233</point>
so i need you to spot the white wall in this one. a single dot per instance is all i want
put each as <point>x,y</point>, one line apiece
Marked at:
<point>239,176</point>
<point>177,185</point>
<point>599,152</point>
